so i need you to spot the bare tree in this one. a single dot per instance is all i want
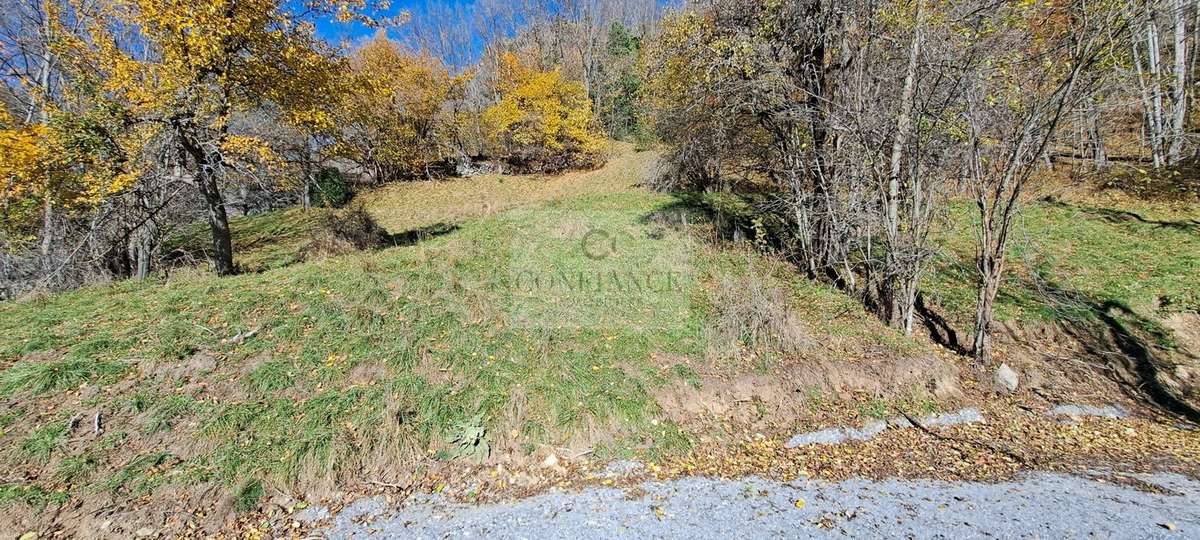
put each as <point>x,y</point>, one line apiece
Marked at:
<point>1016,101</point>
<point>1165,123</point>
<point>1179,11</point>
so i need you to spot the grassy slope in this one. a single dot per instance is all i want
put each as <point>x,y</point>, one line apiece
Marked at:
<point>364,364</point>
<point>367,364</point>
<point>1072,256</point>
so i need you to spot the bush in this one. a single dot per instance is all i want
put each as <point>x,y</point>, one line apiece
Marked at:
<point>330,189</point>
<point>346,230</point>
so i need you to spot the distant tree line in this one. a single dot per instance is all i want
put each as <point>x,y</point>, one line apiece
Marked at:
<point>124,121</point>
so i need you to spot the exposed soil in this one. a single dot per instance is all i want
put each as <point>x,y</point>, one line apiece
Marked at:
<point>803,392</point>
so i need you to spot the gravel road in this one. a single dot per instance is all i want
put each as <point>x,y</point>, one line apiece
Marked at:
<point>1038,506</point>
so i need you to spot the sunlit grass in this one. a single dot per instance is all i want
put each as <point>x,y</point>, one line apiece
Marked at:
<point>378,360</point>
<point>1137,255</point>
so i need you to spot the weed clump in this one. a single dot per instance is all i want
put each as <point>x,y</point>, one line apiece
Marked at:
<point>754,314</point>
<point>346,230</point>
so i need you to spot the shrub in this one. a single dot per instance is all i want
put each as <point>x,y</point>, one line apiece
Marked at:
<point>346,230</point>
<point>330,189</point>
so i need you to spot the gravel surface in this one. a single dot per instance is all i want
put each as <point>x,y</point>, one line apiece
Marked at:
<point>1039,506</point>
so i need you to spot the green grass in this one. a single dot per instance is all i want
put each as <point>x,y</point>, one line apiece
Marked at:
<point>1069,259</point>
<point>503,335</point>
<point>248,496</point>
<point>45,441</point>
<point>39,376</point>
<point>33,496</point>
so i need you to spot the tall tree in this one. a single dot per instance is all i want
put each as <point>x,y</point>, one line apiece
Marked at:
<point>182,71</point>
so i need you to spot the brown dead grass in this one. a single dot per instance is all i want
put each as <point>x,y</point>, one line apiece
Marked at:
<point>798,393</point>
<point>752,313</point>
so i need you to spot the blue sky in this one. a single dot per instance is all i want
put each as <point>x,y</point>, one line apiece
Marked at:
<point>337,32</point>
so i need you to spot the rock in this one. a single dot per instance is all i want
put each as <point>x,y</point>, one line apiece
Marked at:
<point>622,468</point>
<point>899,422</point>
<point>868,432</point>
<point>29,536</point>
<point>144,532</point>
<point>1006,379</point>
<point>466,167</point>
<point>825,436</point>
<point>552,463</point>
<point>965,416</point>
<point>1081,411</point>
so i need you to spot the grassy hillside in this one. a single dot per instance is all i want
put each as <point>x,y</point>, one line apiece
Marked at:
<point>515,317</point>
<point>1074,256</point>
<point>552,325</point>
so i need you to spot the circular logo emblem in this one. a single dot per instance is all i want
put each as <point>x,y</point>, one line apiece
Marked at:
<point>598,244</point>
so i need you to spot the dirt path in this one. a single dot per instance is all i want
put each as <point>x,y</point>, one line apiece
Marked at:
<point>1040,505</point>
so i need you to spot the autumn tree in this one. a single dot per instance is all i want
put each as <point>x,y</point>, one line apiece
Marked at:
<point>181,72</point>
<point>1035,63</point>
<point>28,29</point>
<point>542,121</point>
<point>28,174</point>
<point>394,118</point>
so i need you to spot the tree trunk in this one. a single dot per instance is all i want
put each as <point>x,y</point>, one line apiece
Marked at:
<point>244,199</point>
<point>47,241</point>
<point>1155,87</point>
<point>901,300</point>
<point>141,248</point>
<point>989,285</point>
<point>306,197</point>
<point>1179,86</point>
<point>218,222</point>
<point>1095,138</point>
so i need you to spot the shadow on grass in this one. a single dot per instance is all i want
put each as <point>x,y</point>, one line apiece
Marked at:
<point>1140,352</point>
<point>1141,358</point>
<point>296,249</point>
<point>420,234</point>
<point>940,329</point>
<point>1112,215</point>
